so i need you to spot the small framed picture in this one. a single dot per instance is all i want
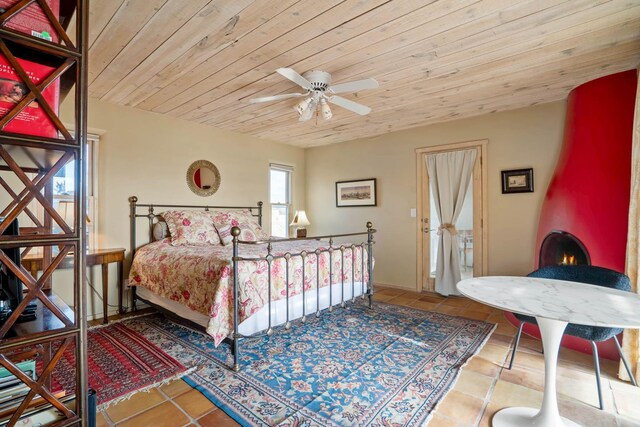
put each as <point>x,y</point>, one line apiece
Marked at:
<point>517,181</point>
<point>361,192</point>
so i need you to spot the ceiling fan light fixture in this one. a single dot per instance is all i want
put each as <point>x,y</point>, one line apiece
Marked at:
<point>326,110</point>
<point>301,107</point>
<point>308,112</point>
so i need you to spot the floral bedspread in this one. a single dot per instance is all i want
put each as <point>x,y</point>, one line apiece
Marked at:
<point>201,277</point>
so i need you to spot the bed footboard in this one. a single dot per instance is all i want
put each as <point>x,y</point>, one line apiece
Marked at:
<point>343,250</point>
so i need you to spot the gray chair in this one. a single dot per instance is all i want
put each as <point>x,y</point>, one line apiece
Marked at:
<point>594,276</point>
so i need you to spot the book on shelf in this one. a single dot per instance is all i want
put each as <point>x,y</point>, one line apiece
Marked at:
<point>37,403</point>
<point>32,120</point>
<point>26,366</point>
<point>32,19</point>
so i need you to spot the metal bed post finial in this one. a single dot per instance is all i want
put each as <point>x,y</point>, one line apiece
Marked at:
<point>370,232</point>
<point>235,232</point>
<point>260,213</point>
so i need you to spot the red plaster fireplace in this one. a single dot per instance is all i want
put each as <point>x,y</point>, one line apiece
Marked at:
<point>584,214</point>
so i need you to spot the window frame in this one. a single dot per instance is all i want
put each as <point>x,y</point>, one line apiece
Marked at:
<point>289,196</point>
<point>91,190</point>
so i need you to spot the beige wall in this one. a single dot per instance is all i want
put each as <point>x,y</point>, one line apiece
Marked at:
<point>147,155</point>
<point>529,137</point>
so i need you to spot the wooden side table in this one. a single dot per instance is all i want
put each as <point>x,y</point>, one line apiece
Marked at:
<point>102,257</point>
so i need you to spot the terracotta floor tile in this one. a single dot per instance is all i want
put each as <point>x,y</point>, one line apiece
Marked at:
<point>476,306</point>
<point>165,415</point>
<point>530,361</point>
<point>497,317</point>
<point>137,403</point>
<point>432,298</point>
<point>447,309</point>
<point>438,420</point>
<point>494,353</point>
<point>506,329</point>
<point>175,388</point>
<point>423,305</point>
<point>461,407</point>
<point>474,314</point>
<point>524,377</point>
<point>528,344</point>
<point>585,415</point>
<point>488,414</point>
<point>413,294</point>
<point>389,291</point>
<point>194,403</point>
<point>483,366</point>
<point>582,388</point>
<point>507,394</point>
<point>474,384</point>
<point>217,418</point>
<point>627,399</point>
<point>501,340</point>
<point>382,297</point>
<point>456,302</point>
<point>403,300</point>
<point>101,420</point>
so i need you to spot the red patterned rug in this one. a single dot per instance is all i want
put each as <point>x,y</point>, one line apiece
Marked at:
<point>121,362</point>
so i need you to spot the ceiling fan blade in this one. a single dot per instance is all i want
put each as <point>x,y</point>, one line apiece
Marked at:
<point>275,97</point>
<point>350,105</point>
<point>295,77</point>
<point>354,86</point>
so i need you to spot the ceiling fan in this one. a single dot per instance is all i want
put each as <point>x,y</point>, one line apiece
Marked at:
<point>318,92</point>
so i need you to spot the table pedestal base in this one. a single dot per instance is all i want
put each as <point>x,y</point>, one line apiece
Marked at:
<point>526,417</point>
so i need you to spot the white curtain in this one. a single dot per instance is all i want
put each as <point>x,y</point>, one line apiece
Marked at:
<point>449,176</point>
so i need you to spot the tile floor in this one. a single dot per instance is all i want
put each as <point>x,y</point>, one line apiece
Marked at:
<point>483,387</point>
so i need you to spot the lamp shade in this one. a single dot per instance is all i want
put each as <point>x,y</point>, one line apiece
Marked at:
<point>300,219</point>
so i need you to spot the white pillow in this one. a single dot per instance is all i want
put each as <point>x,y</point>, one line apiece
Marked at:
<point>160,231</point>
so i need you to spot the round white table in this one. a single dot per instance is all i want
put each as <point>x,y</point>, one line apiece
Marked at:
<point>554,304</point>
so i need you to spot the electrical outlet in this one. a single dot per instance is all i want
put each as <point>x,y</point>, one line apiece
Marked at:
<point>412,212</point>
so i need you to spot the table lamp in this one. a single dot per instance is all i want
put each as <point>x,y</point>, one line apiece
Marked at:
<point>300,221</point>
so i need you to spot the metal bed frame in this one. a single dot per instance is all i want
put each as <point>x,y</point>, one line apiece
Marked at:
<point>269,257</point>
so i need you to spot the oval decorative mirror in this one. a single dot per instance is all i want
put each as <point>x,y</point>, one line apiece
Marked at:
<point>203,178</point>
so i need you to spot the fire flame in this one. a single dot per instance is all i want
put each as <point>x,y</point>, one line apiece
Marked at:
<point>568,260</point>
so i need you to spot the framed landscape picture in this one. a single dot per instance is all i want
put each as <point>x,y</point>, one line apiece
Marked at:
<point>517,181</point>
<point>361,192</point>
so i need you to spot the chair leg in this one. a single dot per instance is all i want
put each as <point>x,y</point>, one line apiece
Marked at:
<point>624,362</point>
<point>515,345</point>
<point>596,362</point>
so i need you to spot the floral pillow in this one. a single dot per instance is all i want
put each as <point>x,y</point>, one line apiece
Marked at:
<point>249,228</point>
<point>191,228</point>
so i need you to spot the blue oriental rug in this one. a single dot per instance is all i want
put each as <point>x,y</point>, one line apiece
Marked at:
<point>386,367</point>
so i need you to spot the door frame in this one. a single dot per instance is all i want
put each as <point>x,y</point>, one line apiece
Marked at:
<point>423,193</point>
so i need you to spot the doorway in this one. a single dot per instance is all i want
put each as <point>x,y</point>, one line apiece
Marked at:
<point>470,236</point>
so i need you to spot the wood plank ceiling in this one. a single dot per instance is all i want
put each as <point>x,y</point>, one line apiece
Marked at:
<point>201,60</point>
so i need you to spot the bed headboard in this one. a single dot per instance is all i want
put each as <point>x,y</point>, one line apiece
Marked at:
<point>148,211</point>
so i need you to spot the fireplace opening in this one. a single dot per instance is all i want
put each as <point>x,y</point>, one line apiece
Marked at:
<point>562,248</point>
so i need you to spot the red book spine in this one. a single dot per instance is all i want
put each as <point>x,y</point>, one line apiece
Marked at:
<point>32,120</point>
<point>32,19</point>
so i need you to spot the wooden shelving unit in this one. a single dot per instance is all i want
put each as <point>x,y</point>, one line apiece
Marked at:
<point>28,165</point>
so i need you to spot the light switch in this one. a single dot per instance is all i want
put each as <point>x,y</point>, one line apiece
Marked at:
<point>412,212</point>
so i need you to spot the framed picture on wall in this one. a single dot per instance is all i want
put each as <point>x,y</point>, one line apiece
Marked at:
<point>361,192</point>
<point>517,181</point>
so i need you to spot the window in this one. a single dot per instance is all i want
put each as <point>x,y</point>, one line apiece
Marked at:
<point>280,199</point>
<point>64,188</point>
